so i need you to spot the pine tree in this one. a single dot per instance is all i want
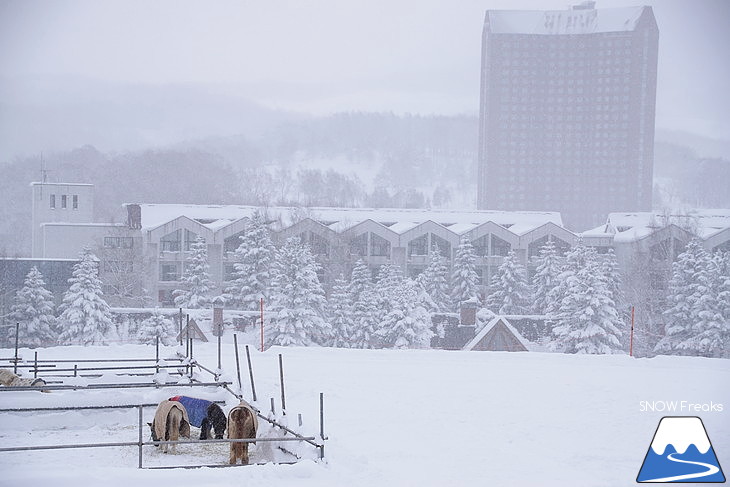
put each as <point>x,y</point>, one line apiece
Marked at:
<point>545,278</point>
<point>465,280</point>
<point>298,301</point>
<point>511,294</point>
<point>359,281</point>
<point>435,280</point>
<point>683,295</point>
<point>365,310</point>
<point>407,324</point>
<point>340,315</point>
<point>710,330</point>
<point>33,309</point>
<point>85,316</point>
<point>576,259</point>
<point>154,327</point>
<point>723,296</point>
<point>612,276</point>
<point>252,269</point>
<point>197,289</point>
<point>389,278</point>
<point>587,319</point>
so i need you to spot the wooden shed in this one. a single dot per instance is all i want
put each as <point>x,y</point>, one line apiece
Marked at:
<point>498,335</point>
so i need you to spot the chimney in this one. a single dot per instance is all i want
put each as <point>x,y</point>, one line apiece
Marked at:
<point>468,312</point>
<point>134,217</point>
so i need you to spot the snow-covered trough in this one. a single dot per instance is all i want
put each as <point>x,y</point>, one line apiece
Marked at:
<point>122,403</point>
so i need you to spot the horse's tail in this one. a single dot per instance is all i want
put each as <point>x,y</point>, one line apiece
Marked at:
<point>173,424</point>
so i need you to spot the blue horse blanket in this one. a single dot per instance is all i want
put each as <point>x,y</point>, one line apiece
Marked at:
<point>197,409</point>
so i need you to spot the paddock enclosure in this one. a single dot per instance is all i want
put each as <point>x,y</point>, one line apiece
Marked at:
<point>96,410</point>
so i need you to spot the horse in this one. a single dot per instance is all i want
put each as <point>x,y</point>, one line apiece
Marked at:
<point>205,415</point>
<point>242,423</point>
<point>9,379</point>
<point>171,422</point>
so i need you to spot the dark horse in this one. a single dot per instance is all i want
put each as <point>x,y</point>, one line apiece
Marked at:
<point>205,415</point>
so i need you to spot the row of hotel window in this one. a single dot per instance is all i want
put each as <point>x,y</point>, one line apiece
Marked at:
<point>64,201</point>
<point>171,272</point>
<point>367,244</point>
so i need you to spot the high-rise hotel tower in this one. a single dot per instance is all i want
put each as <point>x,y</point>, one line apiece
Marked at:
<point>567,111</point>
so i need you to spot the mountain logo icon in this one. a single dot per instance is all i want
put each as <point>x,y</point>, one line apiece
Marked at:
<point>681,452</point>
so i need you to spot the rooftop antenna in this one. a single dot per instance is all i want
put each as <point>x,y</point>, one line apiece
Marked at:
<point>44,175</point>
<point>44,171</point>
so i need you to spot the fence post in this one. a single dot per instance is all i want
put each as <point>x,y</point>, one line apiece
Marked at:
<point>250,374</point>
<point>219,349</point>
<point>631,340</point>
<point>281,379</point>
<point>17,330</point>
<point>157,355</point>
<point>321,424</point>
<point>187,335</point>
<point>261,303</point>
<point>35,366</point>
<point>238,364</point>
<point>190,373</point>
<point>140,437</point>
<point>180,325</point>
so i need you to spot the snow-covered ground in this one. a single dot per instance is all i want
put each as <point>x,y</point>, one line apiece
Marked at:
<point>393,417</point>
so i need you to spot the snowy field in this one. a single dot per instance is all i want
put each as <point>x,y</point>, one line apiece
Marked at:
<point>401,418</point>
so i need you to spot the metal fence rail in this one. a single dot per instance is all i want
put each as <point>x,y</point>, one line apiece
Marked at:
<point>140,443</point>
<point>131,385</point>
<point>81,408</point>
<point>185,361</point>
<point>147,443</point>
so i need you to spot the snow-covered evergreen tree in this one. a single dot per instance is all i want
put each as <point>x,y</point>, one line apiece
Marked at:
<point>579,257</point>
<point>511,294</point>
<point>723,296</point>
<point>464,280</point>
<point>33,310</point>
<point>682,298</point>
<point>359,281</point>
<point>366,313</point>
<point>85,318</point>
<point>252,269</point>
<point>546,277</point>
<point>587,319</point>
<point>365,310</point>
<point>435,280</point>
<point>612,276</point>
<point>340,315</point>
<point>709,332</point>
<point>197,286</point>
<point>154,327</point>
<point>389,278</point>
<point>407,324</point>
<point>297,299</point>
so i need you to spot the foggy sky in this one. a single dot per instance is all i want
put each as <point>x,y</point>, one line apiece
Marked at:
<point>327,56</point>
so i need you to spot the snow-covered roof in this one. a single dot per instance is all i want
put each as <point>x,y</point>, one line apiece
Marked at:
<point>39,183</point>
<point>630,227</point>
<point>77,224</point>
<point>575,21</point>
<point>399,220</point>
<point>488,327</point>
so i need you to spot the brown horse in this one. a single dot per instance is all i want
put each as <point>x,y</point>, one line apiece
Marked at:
<point>171,422</point>
<point>242,423</point>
